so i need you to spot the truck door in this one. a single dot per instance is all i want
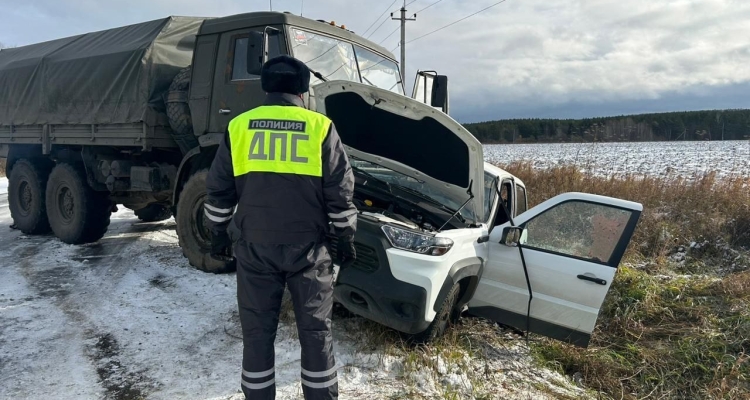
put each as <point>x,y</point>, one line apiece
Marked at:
<point>571,245</point>
<point>235,90</point>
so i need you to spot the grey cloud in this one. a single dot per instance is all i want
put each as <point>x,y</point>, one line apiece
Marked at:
<point>523,57</point>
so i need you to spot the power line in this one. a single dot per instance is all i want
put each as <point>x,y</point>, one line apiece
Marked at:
<point>376,29</point>
<point>428,7</point>
<point>378,18</point>
<point>389,35</point>
<point>457,21</point>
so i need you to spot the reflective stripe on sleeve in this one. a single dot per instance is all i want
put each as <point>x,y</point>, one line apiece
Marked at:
<point>216,219</point>
<point>321,385</point>
<point>218,210</point>
<point>343,224</point>
<point>342,214</point>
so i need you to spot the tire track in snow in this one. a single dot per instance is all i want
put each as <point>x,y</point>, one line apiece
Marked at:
<point>58,282</point>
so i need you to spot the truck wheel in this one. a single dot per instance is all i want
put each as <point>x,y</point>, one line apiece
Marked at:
<point>153,213</point>
<point>77,214</point>
<point>446,315</point>
<point>26,196</point>
<point>178,111</point>
<point>192,227</point>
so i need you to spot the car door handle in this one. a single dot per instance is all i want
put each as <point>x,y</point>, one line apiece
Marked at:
<point>224,111</point>
<point>592,279</point>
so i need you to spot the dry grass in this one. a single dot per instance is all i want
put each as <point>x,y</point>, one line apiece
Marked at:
<point>676,323</point>
<point>2,167</point>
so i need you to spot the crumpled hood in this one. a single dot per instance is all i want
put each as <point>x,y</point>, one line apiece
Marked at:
<point>407,136</point>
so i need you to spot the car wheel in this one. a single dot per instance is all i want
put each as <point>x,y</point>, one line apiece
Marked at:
<point>153,213</point>
<point>445,316</point>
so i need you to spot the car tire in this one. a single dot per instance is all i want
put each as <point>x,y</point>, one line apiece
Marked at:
<point>77,214</point>
<point>446,315</point>
<point>27,185</point>
<point>153,213</point>
<point>192,228</point>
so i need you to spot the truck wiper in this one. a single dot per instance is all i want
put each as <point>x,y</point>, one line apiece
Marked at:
<point>318,75</point>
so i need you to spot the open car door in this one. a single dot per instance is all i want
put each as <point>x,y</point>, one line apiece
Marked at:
<point>555,265</point>
<point>431,89</point>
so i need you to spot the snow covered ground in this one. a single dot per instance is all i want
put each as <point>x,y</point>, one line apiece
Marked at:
<point>127,318</point>
<point>648,158</point>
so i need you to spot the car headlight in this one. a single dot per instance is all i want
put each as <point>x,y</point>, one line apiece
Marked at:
<point>412,241</point>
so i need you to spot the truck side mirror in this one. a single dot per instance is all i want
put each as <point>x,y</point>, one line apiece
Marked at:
<point>511,236</point>
<point>439,91</point>
<point>256,52</point>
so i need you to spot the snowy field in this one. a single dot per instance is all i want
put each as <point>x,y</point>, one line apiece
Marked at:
<point>684,159</point>
<point>127,318</point>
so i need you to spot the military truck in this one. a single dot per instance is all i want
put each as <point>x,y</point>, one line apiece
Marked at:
<point>133,115</point>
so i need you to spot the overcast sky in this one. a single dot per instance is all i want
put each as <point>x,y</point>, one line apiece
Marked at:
<point>522,58</point>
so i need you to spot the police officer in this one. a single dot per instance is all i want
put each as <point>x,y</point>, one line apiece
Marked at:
<point>285,170</point>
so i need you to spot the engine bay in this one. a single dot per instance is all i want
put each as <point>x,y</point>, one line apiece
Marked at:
<point>397,210</point>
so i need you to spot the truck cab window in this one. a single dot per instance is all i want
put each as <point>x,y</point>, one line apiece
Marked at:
<point>505,205</point>
<point>239,62</point>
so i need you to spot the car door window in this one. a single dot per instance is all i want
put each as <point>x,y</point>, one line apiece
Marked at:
<point>239,59</point>
<point>578,229</point>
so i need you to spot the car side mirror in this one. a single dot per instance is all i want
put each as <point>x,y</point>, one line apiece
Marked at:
<point>511,236</point>
<point>256,52</point>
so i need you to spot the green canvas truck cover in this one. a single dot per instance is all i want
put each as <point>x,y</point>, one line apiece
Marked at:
<point>114,76</point>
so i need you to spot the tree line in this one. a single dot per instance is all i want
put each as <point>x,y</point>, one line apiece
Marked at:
<point>686,125</point>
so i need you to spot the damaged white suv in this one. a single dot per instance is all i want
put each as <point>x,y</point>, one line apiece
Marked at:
<point>440,230</point>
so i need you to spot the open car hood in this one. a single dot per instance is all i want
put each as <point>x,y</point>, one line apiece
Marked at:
<point>407,136</point>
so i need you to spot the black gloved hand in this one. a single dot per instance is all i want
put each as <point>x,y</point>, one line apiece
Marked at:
<point>221,245</point>
<point>346,251</point>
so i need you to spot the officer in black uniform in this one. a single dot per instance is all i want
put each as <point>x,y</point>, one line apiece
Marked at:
<point>285,170</point>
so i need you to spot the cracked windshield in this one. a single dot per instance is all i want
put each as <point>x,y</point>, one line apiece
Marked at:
<point>339,60</point>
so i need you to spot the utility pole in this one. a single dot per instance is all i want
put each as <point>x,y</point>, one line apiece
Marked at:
<point>403,20</point>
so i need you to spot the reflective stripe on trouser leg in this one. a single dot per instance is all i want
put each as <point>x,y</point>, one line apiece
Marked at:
<point>259,290</point>
<point>312,294</point>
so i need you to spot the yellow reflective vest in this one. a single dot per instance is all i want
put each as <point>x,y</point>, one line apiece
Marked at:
<point>278,139</point>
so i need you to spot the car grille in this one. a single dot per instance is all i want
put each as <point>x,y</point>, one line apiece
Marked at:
<point>367,258</point>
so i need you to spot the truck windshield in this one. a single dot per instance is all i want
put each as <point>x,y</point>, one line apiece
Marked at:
<point>339,60</point>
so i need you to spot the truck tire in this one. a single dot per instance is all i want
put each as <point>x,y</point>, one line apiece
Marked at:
<point>77,214</point>
<point>192,228</point>
<point>153,213</point>
<point>27,185</point>
<point>445,316</point>
<point>178,111</point>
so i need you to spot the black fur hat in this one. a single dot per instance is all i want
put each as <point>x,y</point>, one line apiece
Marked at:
<point>285,74</point>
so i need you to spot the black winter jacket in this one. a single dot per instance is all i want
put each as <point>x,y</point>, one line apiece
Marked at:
<point>283,208</point>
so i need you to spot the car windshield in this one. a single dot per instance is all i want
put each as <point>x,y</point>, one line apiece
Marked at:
<point>339,60</point>
<point>399,179</point>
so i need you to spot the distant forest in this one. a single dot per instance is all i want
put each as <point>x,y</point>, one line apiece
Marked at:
<point>687,125</point>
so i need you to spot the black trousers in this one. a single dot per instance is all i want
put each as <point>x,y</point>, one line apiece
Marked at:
<point>262,272</point>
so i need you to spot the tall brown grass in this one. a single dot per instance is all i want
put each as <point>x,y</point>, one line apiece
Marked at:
<point>2,167</point>
<point>676,323</point>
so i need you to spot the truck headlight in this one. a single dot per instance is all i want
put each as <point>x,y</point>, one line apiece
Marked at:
<point>412,241</point>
